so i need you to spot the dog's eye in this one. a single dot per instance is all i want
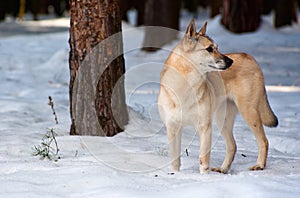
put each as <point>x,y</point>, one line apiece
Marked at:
<point>210,49</point>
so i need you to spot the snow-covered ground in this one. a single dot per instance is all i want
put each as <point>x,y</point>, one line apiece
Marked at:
<point>135,163</point>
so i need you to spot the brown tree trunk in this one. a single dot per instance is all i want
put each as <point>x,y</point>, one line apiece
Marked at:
<point>241,15</point>
<point>191,5</point>
<point>160,13</point>
<point>268,6</point>
<point>285,12</point>
<point>139,5</point>
<point>3,9</point>
<point>97,98</point>
<point>215,7</point>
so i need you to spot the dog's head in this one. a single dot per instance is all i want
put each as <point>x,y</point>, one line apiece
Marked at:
<point>202,51</point>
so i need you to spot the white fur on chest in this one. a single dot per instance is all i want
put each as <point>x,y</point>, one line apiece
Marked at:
<point>181,97</point>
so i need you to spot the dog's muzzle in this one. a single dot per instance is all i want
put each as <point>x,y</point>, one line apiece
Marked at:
<point>228,62</point>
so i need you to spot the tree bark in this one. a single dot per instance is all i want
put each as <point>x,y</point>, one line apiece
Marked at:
<point>268,6</point>
<point>139,5</point>
<point>3,10</point>
<point>285,12</point>
<point>215,7</point>
<point>160,13</point>
<point>241,15</point>
<point>97,97</point>
<point>191,5</point>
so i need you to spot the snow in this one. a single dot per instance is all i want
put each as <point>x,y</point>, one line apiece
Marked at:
<point>135,163</point>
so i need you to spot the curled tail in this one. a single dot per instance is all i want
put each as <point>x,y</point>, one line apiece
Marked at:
<point>268,117</point>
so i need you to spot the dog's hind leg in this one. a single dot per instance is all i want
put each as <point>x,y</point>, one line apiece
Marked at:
<point>225,116</point>
<point>251,115</point>
<point>174,139</point>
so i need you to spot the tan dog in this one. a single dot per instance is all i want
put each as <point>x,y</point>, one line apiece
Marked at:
<point>193,90</point>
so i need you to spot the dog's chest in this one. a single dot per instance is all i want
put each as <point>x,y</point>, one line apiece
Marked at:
<point>189,95</point>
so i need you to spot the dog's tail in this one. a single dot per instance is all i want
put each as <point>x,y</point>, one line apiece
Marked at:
<point>268,117</point>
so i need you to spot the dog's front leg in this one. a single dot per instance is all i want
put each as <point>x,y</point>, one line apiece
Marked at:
<point>205,135</point>
<point>174,139</point>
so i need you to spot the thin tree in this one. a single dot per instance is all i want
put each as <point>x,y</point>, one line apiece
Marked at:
<point>267,6</point>
<point>241,15</point>
<point>285,12</point>
<point>215,7</point>
<point>97,97</point>
<point>160,13</point>
<point>139,5</point>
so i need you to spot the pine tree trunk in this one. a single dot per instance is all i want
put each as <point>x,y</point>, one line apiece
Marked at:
<point>160,13</point>
<point>241,15</point>
<point>215,7</point>
<point>191,5</point>
<point>268,6</point>
<point>285,12</point>
<point>139,5</point>
<point>97,97</point>
<point>3,10</point>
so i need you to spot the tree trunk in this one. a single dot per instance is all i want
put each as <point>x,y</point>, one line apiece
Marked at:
<point>285,12</point>
<point>3,10</point>
<point>215,7</point>
<point>160,13</point>
<point>97,97</point>
<point>241,15</point>
<point>139,5</point>
<point>268,6</point>
<point>191,6</point>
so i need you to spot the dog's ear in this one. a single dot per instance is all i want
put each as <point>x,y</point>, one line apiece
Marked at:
<point>203,29</point>
<point>191,29</point>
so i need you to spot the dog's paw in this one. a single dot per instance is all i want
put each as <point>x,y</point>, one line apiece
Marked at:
<point>219,170</point>
<point>256,167</point>
<point>204,170</point>
<point>175,168</point>
<point>175,165</point>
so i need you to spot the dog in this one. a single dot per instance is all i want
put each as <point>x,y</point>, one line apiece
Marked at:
<point>198,83</point>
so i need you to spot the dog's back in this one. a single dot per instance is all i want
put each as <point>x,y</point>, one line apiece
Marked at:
<point>244,81</point>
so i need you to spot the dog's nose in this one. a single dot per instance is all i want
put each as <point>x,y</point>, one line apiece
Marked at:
<point>228,62</point>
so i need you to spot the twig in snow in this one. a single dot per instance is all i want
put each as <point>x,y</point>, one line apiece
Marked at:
<point>51,104</point>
